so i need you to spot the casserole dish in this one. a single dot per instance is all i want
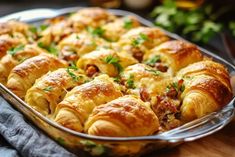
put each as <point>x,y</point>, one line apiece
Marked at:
<point>80,143</point>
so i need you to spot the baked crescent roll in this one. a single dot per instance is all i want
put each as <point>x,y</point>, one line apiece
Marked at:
<point>8,42</point>
<point>203,94</point>
<point>174,54</point>
<point>114,30</point>
<point>206,67</point>
<point>123,117</point>
<point>13,26</point>
<point>51,88</point>
<point>19,55</point>
<point>92,17</point>
<point>23,76</point>
<point>104,61</point>
<point>77,105</point>
<point>78,44</point>
<point>55,32</point>
<point>144,81</point>
<point>139,40</point>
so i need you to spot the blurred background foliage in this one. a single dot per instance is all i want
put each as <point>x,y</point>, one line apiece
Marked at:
<point>198,24</point>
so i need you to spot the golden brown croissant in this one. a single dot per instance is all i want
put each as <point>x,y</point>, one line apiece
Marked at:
<point>51,88</point>
<point>114,30</point>
<point>74,110</point>
<point>203,94</point>
<point>206,67</point>
<point>9,61</point>
<point>13,26</point>
<point>8,42</point>
<point>207,89</point>
<point>139,40</point>
<point>78,44</point>
<point>122,117</point>
<point>23,76</point>
<point>145,81</point>
<point>92,17</point>
<point>174,55</point>
<point>55,32</point>
<point>104,61</point>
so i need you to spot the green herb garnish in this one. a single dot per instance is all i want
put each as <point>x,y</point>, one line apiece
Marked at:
<point>130,82</point>
<point>114,61</point>
<point>155,72</point>
<point>139,40</point>
<point>128,23</point>
<point>178,86</point>
<point>39,29</point>
<point>153,60</point>
<point>48,89</point>
<point>117,79</point>
<point>14,50</point>
<point>43,27</point>
<point>77,37</point>
<point>182,88</point>
<point>96,31</point>
<point>33,29</point>
<point>71,74</point>
<point>50,48</point>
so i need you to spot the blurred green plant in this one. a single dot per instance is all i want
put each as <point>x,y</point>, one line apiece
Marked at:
<point>232,27</point>
<point>198,25</point>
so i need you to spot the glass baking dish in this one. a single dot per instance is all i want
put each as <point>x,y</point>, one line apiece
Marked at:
<point>84,144</point>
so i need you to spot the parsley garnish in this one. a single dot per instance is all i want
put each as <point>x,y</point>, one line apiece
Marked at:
<point>96,31</point>
<point>72,75</point>
<point>182,88</point>
<point>117,79</point>
<point>77,37</point>
<point>14,50</point>
<point>114,61</point>
<point>128,23</point>
<point>50,48</point>
<point>33,29</point>
<point>37,30</point>
<point>42,27</point>
<point>155,72</point>
<point>139,40</point>
<point>153,60</point>
<point>130,82</point>
<point>48,89</point>
<point>178,86</point>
